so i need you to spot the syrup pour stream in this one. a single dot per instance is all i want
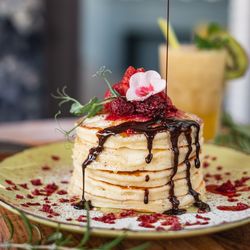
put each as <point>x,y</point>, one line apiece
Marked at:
<point>150,128</point>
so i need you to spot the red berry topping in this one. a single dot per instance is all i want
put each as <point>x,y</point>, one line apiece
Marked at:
<point>129,72</point>
<point>122,86</point>
<point>154,106</point>
<point>121,107</point>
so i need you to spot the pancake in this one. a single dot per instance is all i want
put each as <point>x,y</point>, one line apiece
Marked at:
<point>119,175</point>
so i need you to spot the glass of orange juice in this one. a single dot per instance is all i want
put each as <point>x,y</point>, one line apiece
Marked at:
<point>196,82</point>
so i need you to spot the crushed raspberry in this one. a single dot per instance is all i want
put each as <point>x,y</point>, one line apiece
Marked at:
<point>36,182</point>
<point>154,106</point>
<point>170,220</point>
<point>29,196</point>
<point>239,207</point>
<point>202,217</point>
<point>200,211</point>
<point>176,226</point>
<point>160,229</point>
<point>107,218</point>
<point>81,218</point>
<point>69,219</point>
<point>147,218</point>
<point>19,196</point>
<point>8,188</point>
<point>205,164</point>
<point>33,204</point>
<point>62,200</point>
<point>121,107</point>
<point>47,209</point>
<point>24,186</point>
<point>129,72</point>
<point>62,192</point>
<point>50,188</point>
<point>37,192</point>
<point>196,223</point>
<point>226,188</point>
<point>45,168</point>
<point>55,157</point>
<point>241,182</point>
<point>15,188</point>
<point>122,86</point>
<point>74,199</point>
<point>24,205</point>
<point>232,200</point>
<point>9,182</point>
<point>127,213</point>
<point>146,225</point>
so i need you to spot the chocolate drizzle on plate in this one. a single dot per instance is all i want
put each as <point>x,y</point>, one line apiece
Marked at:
<point>150,128</point>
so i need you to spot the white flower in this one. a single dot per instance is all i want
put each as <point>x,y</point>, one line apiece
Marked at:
<point>144,84</point>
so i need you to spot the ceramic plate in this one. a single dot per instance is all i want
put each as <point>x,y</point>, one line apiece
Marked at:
<point>36,182</point>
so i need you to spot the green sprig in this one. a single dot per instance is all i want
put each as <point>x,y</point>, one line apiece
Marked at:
<point>90,109</point>
<point>102,73</point>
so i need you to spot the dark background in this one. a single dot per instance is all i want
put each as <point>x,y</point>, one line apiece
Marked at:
<point>51,43</point>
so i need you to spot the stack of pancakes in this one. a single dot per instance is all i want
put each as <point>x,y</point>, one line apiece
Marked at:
<point>120,177</point>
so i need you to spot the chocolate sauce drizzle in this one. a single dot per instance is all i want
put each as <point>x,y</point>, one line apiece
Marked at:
<point>146,193</point>
<point>147,178</point>
<point>150,128</point>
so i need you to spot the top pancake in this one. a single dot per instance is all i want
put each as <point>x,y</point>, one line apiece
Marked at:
<point>87,132</point>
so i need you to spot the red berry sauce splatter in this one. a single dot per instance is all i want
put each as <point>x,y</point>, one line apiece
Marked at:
<point>239,207</point>
<point>107,218</point>
<point>55,157</point>
<point>46,168</point>
<point>24,186</point>
<point>19,196</point>
<point>36,182</point>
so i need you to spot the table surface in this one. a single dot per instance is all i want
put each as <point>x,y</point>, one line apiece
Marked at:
<point>40,132</point>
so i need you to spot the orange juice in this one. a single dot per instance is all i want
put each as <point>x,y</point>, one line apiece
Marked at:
<point>196,82</point>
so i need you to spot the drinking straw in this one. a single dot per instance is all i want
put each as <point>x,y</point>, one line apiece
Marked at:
<point>173,41</point>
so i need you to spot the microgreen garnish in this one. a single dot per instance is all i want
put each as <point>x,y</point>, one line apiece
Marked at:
<point>102,73</point>
<point>90,109</point>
